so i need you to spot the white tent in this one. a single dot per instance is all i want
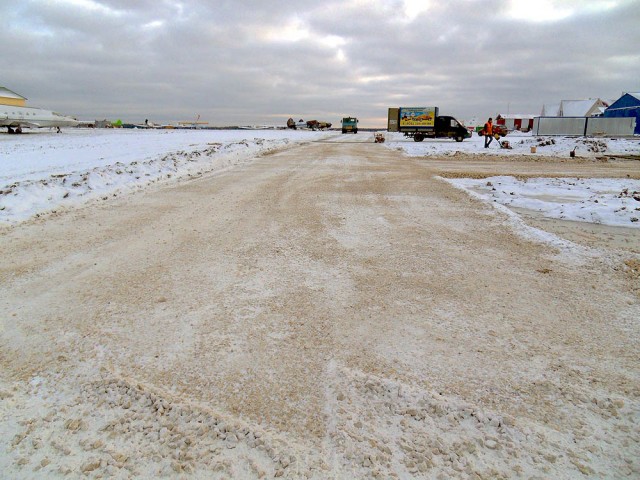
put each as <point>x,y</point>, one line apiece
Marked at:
<point>551,110</point>
<point>582,108</point>
<point>591,107</point>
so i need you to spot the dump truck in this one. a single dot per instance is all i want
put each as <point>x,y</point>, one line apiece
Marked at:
<point>349,125</point>
<point>422,122</point>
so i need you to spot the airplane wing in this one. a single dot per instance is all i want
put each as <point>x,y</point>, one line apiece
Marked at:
<point>30,124</point>
<point>18,123</point>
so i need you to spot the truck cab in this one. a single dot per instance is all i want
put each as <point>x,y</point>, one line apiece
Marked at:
<point>444,127</point>
<point>349,125</point>
<point>450,127</point>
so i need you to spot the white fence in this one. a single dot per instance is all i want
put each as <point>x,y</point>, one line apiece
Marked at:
<point>581,126</point>
<point>618,126</point>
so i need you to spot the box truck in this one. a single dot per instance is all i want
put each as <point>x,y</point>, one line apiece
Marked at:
<point>422,122</point>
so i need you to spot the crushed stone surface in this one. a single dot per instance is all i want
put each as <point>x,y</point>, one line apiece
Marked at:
<point>333,310</point>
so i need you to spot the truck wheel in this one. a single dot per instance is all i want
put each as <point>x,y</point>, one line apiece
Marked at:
<point>418,137</point>
<point>344,131</point>
<point>459,138</point>
<point>355,131</point>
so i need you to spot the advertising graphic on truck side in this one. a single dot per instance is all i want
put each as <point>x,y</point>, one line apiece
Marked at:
<point>418,117</point>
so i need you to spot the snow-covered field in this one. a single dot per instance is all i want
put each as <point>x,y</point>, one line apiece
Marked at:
<point>602,201</point>
<point>520,144</point>
<point>42,171</point>
<point>384,333</point>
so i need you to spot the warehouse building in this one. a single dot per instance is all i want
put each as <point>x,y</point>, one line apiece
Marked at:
<point>516,121</point>
<point>628,105</point>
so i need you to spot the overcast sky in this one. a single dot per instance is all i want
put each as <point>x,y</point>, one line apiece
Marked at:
<point>262,61</point>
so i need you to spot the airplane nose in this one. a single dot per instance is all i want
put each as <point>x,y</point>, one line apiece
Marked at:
<point>72,121</point>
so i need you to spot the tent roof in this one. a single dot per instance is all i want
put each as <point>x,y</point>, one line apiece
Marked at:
<point>576,108</point>
<point>635,94</point>
<point>551,110</point>
<point>627,100</point>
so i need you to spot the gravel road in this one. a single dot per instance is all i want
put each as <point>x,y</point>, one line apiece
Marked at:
<point>333,310</point>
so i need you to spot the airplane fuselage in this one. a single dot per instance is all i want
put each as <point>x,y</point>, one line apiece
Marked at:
<point>17,117</point>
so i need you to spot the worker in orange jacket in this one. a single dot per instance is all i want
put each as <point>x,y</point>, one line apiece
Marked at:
<point>488,133</point>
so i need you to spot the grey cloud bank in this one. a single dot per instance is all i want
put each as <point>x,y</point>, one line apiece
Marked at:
<point>242,62</point>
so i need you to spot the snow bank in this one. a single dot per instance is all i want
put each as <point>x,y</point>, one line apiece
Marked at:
<point>521,144</point>
<point>604,201</point>
<point>42,171</point>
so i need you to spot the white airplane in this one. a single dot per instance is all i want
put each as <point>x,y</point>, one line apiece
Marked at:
<point>14,118</point>
<point>195,124</point>
<point>259,127</point>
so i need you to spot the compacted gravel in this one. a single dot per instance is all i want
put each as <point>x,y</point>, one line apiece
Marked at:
<point>333,310</point>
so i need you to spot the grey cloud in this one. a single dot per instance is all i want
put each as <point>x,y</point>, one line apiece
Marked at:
<point>171,60</point>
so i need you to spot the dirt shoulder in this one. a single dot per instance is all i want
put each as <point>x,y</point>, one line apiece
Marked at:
<point>329,310</point>
<point>480,166</point>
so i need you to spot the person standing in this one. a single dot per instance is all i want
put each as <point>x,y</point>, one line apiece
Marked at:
<point>488,133</point>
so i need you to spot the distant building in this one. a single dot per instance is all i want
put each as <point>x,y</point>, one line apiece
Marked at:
<point>516,121</point>
<point>628,105</point>
<point>551,110</point>
<point>575,108</point>
<point>7,97</point>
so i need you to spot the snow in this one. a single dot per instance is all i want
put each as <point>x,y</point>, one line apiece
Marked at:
<point>576,108</point>
<point>551,110</point>
<point>603,201</point>
<point>521,144</point>
<point>41,171</point>
<point>122,427</point>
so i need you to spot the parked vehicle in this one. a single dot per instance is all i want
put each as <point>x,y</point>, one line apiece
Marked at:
<point>349,125</point>
<point>422,122</point>
<point>500,130</point>
<point>291,123</point>
<point>312,124</point>
<point>316,125</point>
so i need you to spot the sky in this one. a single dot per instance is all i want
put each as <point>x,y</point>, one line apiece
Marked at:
<point>235,62</point>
